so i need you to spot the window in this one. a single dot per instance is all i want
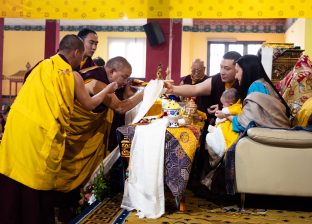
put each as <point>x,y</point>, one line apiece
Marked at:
<point>217,49</point>
<point>133,49</point>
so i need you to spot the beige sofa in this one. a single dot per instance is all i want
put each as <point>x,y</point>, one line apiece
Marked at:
<point>274,162</point>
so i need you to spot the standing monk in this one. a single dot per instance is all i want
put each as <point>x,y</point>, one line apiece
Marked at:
<point>33,143</point>
<point>90,42</point>
<point>87,136</point>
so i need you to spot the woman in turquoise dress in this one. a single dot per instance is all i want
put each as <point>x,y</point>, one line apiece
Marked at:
<point>261,101</point>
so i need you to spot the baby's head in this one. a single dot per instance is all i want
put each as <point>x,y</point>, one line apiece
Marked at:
<point>229,97</point>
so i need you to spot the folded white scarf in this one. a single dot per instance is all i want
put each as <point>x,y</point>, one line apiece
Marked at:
<point>151,93</point>
<point>144,188</point>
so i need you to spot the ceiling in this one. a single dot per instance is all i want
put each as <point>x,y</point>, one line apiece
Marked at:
<point>121,22</point>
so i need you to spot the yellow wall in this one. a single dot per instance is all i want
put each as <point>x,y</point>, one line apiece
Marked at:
<point>102,49</point>
<point>300,33</point>
<point>21,47</point>
<point>195,45</point>
<point>308,37</point>
<point>295,33</point>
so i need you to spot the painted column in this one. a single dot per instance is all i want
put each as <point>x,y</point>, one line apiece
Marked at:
<point>176,50</point>
<point>52,37</point>
<point>1,56</point>
<point>167,54</point>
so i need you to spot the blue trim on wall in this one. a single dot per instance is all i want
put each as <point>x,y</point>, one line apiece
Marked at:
<point>236,29</point>
<point>205,29</point>
<point>77,28</point>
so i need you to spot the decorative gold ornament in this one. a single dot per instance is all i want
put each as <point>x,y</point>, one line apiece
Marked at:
<point>159,72</point>
<point>125,147</point>
<point>190,112</point>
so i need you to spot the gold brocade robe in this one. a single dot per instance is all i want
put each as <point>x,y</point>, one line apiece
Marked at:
<point>33,143</point>
<point>86,141</point>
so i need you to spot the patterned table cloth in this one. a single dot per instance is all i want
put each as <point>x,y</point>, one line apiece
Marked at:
<point>180,146</point>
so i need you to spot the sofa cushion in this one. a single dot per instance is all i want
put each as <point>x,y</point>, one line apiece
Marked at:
<point>281,137</point>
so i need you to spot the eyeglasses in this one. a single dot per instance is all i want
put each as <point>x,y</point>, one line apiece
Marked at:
<point>198,69</point>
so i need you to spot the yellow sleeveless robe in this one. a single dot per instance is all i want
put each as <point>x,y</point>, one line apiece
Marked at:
<point>86,142</point>
<point>33,144</point>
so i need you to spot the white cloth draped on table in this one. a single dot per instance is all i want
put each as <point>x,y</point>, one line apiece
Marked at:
<point>144,188</point>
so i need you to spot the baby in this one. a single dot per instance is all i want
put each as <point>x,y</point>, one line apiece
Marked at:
<point>231,106</point>
<point>221,136</point>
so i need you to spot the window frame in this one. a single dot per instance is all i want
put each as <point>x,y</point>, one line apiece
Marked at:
<point>129,40</point>
<point>226,48</point>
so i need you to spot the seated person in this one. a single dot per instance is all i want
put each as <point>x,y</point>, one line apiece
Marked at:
<point>197,76</point>
<point>221,136</point>
<point>261,104</point>
<point>261,101</point>
<point>212,88</point>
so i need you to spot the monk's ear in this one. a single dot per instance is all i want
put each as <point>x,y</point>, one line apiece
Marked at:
<point>76,52</point>
<point>111,71</point>
<point>110,74</point>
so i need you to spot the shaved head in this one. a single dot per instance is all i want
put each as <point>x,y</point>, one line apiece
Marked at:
<point>71,42</point>
<point>118,63</point>
<point>72,48</point>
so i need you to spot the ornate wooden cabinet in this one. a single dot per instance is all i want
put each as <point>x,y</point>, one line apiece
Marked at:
<point>284,63</point>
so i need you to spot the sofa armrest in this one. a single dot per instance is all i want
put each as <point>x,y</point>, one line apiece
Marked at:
<point>281,137</point>
<point>274,170</point>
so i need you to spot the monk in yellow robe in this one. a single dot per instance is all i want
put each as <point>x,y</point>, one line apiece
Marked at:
<point>89,130</point>
<point>33,143</point>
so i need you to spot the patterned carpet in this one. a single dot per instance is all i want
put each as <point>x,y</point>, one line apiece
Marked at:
<point>104,212</point>
<point>259,209</point>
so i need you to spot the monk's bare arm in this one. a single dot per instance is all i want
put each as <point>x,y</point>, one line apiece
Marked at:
<point>83,96</point>
<point>112,100</point>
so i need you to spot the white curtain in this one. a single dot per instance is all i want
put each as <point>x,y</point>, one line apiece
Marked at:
<point>133,49</point>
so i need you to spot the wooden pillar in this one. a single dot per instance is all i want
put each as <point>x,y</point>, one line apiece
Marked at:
<point>158,54</point>
<point>169,53</point>
<point>52,37</point>
<point>1,57</point>
<point>176,50</point>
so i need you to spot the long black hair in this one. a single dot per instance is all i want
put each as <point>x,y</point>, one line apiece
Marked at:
<point>252,71</point>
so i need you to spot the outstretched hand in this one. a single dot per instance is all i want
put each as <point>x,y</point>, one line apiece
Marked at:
<point>168,86</point>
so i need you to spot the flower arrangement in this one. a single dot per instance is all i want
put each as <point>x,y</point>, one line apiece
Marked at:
<point>96,191</point>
